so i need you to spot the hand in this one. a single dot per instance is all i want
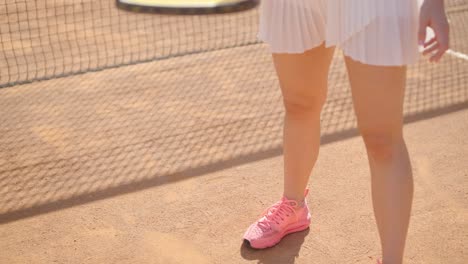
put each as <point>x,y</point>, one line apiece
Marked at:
<point>433,15</point>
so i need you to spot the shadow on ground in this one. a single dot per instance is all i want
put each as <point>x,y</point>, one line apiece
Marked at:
<point>70,141</point>
<point>285,252</point>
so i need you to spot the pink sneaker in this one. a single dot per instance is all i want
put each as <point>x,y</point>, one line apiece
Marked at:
<point>282,218</point>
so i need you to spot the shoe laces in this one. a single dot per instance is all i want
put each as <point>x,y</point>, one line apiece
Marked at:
<point>276,214</point>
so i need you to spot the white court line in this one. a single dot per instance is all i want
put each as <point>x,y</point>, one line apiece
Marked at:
<point>458,54</point>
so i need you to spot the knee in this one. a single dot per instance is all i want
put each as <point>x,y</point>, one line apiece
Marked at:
<point>307,105</point>
<point>382,146</point>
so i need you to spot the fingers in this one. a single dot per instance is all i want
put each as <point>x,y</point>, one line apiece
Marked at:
<point>439,44</point>
<point>427,44</point>
<point>441,31</point>
<point>431,49</point>
<point>432,15</point>
<point>436,52</point>
<point>437,56</point>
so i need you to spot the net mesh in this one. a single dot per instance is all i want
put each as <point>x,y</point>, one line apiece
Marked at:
<point>46,39</point>
<point>197,94</point>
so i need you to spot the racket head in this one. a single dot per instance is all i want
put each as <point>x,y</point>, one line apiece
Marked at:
<point>186,7</point>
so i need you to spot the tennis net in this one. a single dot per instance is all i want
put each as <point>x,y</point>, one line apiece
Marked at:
<point>206,97</point>
<point>46,39</point>
<point>51,38</point>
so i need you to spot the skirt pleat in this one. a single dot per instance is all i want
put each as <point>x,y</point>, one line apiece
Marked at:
<point>292,26</point>
<point>377,32</point>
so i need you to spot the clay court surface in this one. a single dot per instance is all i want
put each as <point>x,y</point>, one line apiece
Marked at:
<point>144,146</point>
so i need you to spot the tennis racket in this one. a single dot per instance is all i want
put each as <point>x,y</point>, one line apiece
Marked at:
<point>186,7</point>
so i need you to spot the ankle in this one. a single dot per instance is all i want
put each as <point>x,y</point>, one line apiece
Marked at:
<point>300,202</point>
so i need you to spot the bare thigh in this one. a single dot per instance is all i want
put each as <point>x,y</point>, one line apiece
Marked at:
<point>303,78</point>
<point>378,95</point>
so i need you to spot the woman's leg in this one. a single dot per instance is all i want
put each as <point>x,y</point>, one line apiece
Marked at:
<point>303,82</point>
<point>378,93</point>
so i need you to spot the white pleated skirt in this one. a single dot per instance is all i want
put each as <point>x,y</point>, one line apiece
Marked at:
<point>376,32</point>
